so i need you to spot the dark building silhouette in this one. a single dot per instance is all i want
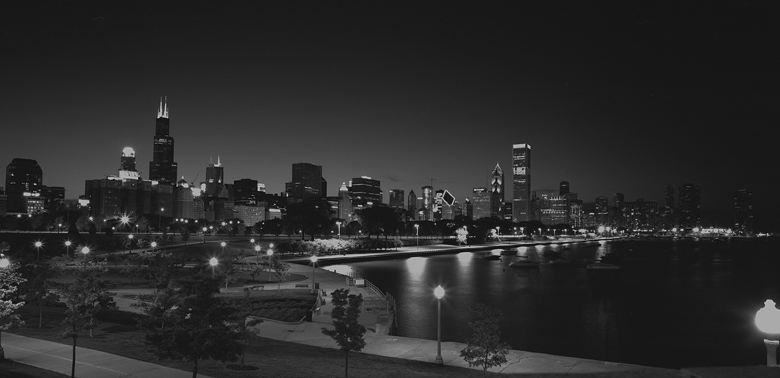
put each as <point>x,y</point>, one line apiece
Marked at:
<point>162,168</point>
<point>496,192</point>
<point>521,183</point>
<point>668,212</point>
<point>307,182</point>
<point>690,206</point>
<point>743,212</point>
<point>215,179</point>
<point>412,205</point>
<point>564,188</point>
<point>245,191</point>
<point>23,179</point>
<point>396,199</point>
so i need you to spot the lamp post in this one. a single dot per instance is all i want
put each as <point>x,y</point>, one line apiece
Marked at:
<point>213,262</point>
<point>257,251</point>
<point>38,246</point>
<point>768,321</point>
<point>417,234</point>
<point>204,234</point>
<point>67,247</point>
<point>159,218</point>
<point>59,226</point>
<point>439,293</point>
<point>313,263</point>
<point>85,251</point>
<point>130,238</point>
<point>339,226</point>
<point>153,245</point>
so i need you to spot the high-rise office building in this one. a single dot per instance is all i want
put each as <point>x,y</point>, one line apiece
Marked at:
<point>496,191</point>
<point>396,199</point>
<point>183,205</point>
<point>618,218</point>
<point>306,182</point>
<point>481,203</point>
<point>564,188</point>
<point>641,215</point>
<point>365,192</point>
<point>602,210</point>
<point>668,212</point>
<point>689,206</point>
<point>245,192</point>
<point>162,168</point>
<point>743,212</point>
<point>521,182</point>
<point>412,205</point>
<point>215,179</point>
<point>427,203</point>
<point>552,208</point>
<point>345,203</point>
<point>23,179</point>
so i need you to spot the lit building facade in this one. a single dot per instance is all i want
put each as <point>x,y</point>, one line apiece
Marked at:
<point>162,168</point>
<point>481,203</point>
<point>215,179</point>
<point>365,192</point>
<point>306,182</point>
<point>641,215</point>
<point>668,212</point>
<point>23,180</point>
<point>602,210</point>
<point>521,182</point>
<point>345,203</point>
<point>496,191</point>
<point>427,203</point>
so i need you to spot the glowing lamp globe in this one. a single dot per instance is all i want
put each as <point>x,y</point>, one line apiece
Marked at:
<point>257,248</point>
<point>85,250</point>
<point>314,259</point>
<point>768,318</point>
<point>438,292</point>
<point>4,263</point>
<point>213,261</point>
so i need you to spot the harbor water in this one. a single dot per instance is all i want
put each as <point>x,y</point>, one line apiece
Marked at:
<point>673,303</point>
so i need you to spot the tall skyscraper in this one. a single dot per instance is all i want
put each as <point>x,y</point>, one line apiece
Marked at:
<point>668,214</point>
<point>690,206</point>
<point>602,210</point>
<point>396,199</point>
<point>162,168</point>
<point>496,191</point>
<point>345,203</point>
<point>743,212</point>
<point>481,203</point>
<point>306,182</point>
<point>215,179</point>
<point>618,210</point>
<point>427,203</point>
<point>521,182</point>
<point>412,205</point>
<point>22,176</point>
<point>564,188</point>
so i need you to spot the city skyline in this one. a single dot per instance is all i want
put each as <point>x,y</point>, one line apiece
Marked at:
<point>621,100</point>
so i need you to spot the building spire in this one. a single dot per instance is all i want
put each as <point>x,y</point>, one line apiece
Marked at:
<point>218,163</point>
<point>160,109</point>
<point>165,112</point>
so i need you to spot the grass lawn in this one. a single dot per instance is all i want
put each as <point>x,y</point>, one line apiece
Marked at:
<point>271,357</point>
<point>10,369</point>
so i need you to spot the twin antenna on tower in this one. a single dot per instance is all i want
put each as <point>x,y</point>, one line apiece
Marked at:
<point>162,111</point>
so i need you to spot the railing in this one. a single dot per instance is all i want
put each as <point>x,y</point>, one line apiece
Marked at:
<point>352,276</point>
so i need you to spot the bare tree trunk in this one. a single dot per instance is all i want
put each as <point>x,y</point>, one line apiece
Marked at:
<point>346,364</point>
<point>73,362</point>
<point>195,370</point>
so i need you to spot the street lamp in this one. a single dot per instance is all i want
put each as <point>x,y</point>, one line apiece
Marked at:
<point>204,234</point>
<point>313,263</point>
<point>339,226</point>
<point>417,234</point>
<point>159,218</point>
<point>213,262</point>
<point>59,226</point>
<point>154,245</point>
<point>38,246</point>
<point>768,321</point>
<point>85,251</point>
<point>67,247</point>
<point>257,251</point>
<point>439,293</point>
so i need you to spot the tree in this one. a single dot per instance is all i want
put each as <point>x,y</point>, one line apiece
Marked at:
<point>311,217</point>
<point>10,279</point>
<point>380,219</point>
<point>347,332</point>
<point>38,275</point>
<point>484,347</point>
<point>279,268</point>
<point>83,299</point>
<point>193,324</point>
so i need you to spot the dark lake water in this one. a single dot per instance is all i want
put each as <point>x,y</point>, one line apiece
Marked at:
<point>674,303</point>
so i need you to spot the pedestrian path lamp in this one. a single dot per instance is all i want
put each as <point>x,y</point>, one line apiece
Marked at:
<point>257,251</point>
<point>313,263</point>
<point>768,321</point>
<point>85,252</point>
<point>213,262</point>
<point>154,245</point>
<point>339,226</point>
<point>38,246</point>
<point>67,247</point>
<point>439,293</point>
<point>204,234</point>
<point>417,235</point>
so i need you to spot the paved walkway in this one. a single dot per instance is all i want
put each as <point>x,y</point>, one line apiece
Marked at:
<point>89,363</point>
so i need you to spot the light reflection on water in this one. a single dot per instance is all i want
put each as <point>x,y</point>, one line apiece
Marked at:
<point>667,298</point>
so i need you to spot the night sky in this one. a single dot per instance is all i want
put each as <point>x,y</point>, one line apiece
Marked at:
<point>612,97</point>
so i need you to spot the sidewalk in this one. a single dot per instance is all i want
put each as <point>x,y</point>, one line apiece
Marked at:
<point>89,363</point>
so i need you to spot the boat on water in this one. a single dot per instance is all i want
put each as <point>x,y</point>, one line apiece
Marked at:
<point>508,252</point>
<point>601,268</point>
<point>492,257</point>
